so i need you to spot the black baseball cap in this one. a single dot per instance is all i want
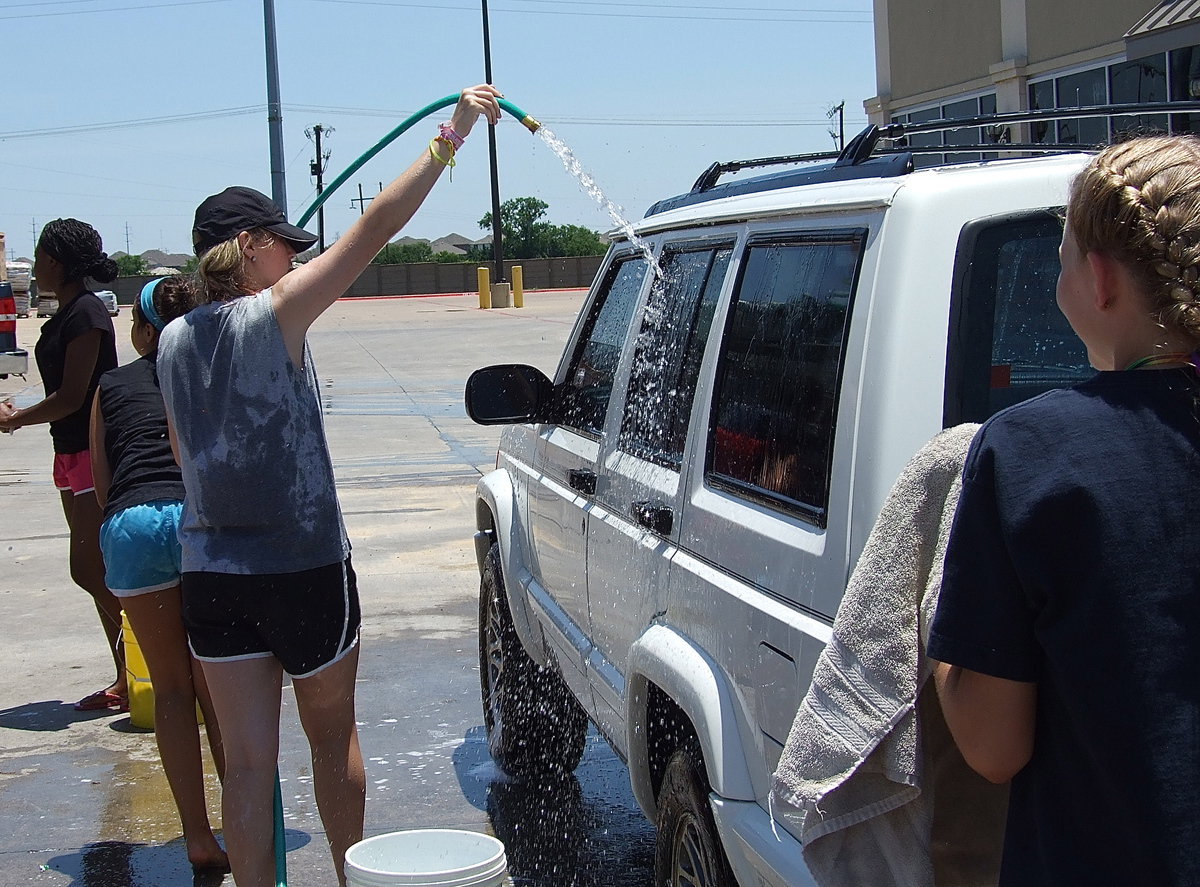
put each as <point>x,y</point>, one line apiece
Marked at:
<point>223,216</point>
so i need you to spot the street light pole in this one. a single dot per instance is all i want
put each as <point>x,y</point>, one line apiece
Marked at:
<point>497,248</point>
<point>274,110</point>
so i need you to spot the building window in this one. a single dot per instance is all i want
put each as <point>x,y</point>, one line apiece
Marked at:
<point>972,107</point>
<point>1139,80</point>
<point>1077,91</point>
<point>1185,86</point>
<point>1142,80</point>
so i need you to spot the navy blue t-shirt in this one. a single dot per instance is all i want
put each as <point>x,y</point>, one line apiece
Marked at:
<point>1074,562</point>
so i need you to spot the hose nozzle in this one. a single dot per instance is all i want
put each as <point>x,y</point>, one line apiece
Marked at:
<point>530,123</point>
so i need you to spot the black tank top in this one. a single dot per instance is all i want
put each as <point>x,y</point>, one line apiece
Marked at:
<point>135,437</point>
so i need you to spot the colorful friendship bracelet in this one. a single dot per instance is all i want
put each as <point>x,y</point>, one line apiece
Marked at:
<point>446,131</point>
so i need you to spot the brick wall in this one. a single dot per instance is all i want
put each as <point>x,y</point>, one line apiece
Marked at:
<point>421,278</point>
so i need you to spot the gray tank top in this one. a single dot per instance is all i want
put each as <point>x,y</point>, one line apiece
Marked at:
<point>256,465</point>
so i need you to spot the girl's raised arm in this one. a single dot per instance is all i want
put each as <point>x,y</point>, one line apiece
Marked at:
<point>303,294</point>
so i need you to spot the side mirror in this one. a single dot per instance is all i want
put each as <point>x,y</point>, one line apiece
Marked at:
<point>508,394</point>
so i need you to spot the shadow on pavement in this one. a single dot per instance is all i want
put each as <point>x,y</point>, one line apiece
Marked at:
<point>48,716</point>
<point>123,864</point>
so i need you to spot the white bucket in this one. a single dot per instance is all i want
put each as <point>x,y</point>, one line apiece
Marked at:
<point>427,858</point>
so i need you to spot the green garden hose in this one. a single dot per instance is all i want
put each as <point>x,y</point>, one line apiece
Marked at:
<point>530,123</point>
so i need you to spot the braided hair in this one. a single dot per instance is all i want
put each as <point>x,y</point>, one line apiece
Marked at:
<point>1139,202</point>
<point>77,247</point>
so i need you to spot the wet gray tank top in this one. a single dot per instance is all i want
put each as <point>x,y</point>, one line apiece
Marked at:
<point>256,466</point>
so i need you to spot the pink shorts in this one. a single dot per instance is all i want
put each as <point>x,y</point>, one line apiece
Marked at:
<point>73,471</point>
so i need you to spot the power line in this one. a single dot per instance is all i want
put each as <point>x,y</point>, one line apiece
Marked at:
<point>154,6</point>
<point>703,18</point>
<point>724,8</point>
<point>130,124</point>
<point>588,121</point>
<point>47,3</point>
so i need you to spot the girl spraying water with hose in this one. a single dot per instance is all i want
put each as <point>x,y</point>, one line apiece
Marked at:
<point>268,586</point>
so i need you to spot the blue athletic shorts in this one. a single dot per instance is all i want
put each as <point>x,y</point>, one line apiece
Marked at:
<point>141,548</point>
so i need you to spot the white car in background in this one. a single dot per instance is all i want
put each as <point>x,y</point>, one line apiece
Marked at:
<point>109,298</point>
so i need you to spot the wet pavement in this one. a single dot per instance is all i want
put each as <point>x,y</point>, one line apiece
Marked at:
<point>83,800</point>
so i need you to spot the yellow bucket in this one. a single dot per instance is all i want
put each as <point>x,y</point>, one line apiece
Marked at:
<point>141,691</point>
<point>137,673</point>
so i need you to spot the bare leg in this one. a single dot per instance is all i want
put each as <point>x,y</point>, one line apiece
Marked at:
<point>326,705</point>
<point>157,621</point>
<point>87,570</point>
<point>212,727</point>
<point>245,694</point>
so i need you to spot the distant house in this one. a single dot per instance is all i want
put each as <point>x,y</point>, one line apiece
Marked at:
<point>157,259</point>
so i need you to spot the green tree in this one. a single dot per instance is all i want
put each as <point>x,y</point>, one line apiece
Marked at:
<point>191,266</point>
<point>525,235</point>
<point>576,240</point>
<point>131,266</point>
<point>403,253</point>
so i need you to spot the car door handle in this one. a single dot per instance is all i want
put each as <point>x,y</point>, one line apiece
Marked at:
<point>658,518</point>
<point>583,480</point>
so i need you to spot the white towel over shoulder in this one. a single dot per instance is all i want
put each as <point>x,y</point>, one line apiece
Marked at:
<point>869,754</point>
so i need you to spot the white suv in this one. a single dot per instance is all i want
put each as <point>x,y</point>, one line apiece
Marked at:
<point>673,519</point>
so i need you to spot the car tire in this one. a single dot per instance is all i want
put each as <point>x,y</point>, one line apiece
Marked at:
<point>535,727</point>
<point>687,850</point>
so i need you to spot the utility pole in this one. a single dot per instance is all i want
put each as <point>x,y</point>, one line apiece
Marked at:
<point>497,248</point>
<point>838,135</point>
<point>127,239</point>
<point>317,169</point>
<point>360,200</point>
<point>274,110</point>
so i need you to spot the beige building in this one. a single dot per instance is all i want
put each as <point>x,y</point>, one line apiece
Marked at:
<point>958,58</point>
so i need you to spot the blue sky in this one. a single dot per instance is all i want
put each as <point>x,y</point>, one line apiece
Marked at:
<point>127,113</point>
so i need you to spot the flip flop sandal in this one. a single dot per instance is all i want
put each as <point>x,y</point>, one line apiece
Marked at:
<point>102,699</point>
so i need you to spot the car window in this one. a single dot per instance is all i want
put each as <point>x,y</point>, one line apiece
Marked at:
<point>780,371</point>
<point>589,380</point>
<point>1008,339</point>
<point>668,352</point>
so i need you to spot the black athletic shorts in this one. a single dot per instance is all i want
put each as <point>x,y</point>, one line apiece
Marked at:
<point>307,620</point>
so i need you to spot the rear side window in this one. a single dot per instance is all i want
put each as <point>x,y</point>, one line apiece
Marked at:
<point>775,405</point>
<point>669,349</point>
<point>589,381</point>
<point>1008,340</point>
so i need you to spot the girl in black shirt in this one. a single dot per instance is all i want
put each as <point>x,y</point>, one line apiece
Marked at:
<point>140,487</point>
<point>76,346</point>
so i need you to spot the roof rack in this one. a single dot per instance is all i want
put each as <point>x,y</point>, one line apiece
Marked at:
<point>864,156</point>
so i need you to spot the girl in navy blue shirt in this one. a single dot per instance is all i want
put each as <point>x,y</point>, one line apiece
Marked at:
<point>1068,627</point>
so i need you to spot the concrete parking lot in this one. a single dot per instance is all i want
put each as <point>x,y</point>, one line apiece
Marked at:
<point>83,800</point>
